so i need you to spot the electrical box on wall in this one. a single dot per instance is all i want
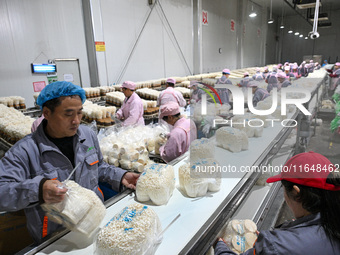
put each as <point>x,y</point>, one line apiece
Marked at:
<point>43,68</point>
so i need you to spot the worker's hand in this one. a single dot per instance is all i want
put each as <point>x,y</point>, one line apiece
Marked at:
<point>52,193</point>
<point>129,180</point>
<point>206,129</point>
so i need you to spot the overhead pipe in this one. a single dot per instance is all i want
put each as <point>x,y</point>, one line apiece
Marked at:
<point>293,7</point>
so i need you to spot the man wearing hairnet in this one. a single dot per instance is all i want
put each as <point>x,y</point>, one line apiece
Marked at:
<point>183,132</point>
<point>33,168</point>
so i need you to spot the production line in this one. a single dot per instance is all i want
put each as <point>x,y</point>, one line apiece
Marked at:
<point>192,229</point>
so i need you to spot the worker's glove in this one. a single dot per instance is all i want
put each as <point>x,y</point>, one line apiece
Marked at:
<point>333,75</point>
<point>329,70</point>
<point>206,129</point>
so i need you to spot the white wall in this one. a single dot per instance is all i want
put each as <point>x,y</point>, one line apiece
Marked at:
<point>35,31</point>
<point>38,30</point>
<point>160,51</point>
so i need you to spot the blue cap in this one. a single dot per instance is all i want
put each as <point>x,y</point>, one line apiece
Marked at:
<point>60,89</point>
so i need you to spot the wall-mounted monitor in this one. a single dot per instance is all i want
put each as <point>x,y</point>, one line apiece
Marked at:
<point>43,68</point>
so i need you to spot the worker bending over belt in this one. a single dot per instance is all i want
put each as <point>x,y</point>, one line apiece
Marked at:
<point>183,132</point>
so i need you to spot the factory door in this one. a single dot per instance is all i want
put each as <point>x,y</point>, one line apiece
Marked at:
<point>68,70</point>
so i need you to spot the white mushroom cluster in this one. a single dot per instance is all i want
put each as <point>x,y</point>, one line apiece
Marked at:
<point>92,92</point>
<point>231,139</point>
<point>106,89</point>
<point>134,230</point>
<point>97,112</point>
<point>81,210</point>
<point>240,235</point>
<point>156,183</point>
<point>185,92</point>
<point>147,93</point>
<point>129,148</point>
<point>199,177</point>
<point>14,125</point>
<point>13,101</point>
<point>115,98</point>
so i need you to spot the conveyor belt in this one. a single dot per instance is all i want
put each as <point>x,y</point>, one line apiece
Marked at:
<point>201,218</point>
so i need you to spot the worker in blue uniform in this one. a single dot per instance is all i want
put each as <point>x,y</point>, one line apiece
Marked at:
<point>32,170</point>
<point>312,192</point>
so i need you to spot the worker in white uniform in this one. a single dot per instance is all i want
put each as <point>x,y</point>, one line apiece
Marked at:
<point>183,133</point>
<point>132,109</point>
<point>170,94</point>
<point>244,82</point>
<point>259,94</point>
<point>224,92</point>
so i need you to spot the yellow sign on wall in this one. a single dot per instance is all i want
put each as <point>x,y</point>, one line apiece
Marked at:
<point>100,46</point>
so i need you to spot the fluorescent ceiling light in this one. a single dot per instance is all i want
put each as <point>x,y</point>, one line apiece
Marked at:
<point>301,35</point>
<point>290,31</point>
<point>270,21</point>
<point>296,33</point>
<point>252,15</point>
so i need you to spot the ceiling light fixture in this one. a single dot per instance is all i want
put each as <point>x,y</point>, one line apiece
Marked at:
<point>271,20</point>
<point>282,26</point>
<point>290,31</point>
<point>301,35</point>
<point>296,33</point>
<point>252,13</point>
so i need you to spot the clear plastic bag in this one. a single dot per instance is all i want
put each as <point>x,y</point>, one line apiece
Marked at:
<point>156,183</point>
<point>240,235</point>
<point>81,210</point>
<point>199,177</point>
<point>134,230</point>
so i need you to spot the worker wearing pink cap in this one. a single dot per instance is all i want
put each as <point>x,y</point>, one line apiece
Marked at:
<point>224,92</point>
<point>259,94</point>
<point>295,71</point>
<point>289,74</point>
<point>244,82</point>
<point>183,133</point>
<point>312,192</point>
<point>335,75</point>
<point>271,79</point>
<point>132,109</point>
<point>258,76</point>
<point>265,72</point>
<point>171,95</point>
<point>283,80</point>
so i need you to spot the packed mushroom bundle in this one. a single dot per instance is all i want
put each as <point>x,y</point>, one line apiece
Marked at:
<point>136,229</point>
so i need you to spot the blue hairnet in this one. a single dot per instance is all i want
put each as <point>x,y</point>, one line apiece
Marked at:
<point>60,89</point>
